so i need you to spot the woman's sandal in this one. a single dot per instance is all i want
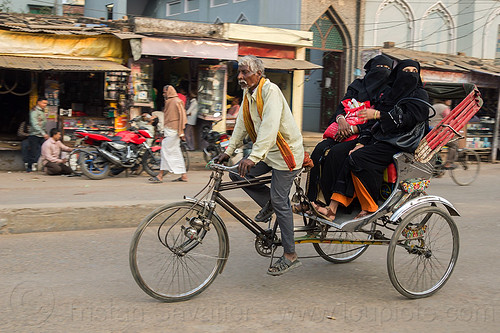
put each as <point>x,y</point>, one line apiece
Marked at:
<point>301,207</point>
<point>283,265</point>
<point>329,215</point>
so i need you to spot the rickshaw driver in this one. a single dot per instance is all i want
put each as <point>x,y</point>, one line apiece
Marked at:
<point>277,148</point>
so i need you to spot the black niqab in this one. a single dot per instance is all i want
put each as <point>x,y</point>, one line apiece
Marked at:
<point>375,80</point>
<point>403,84</point>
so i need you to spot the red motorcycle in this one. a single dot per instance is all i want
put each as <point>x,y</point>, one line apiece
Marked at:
<point>125,150</point>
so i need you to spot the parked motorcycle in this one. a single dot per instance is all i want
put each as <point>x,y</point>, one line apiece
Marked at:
<point>125,150</point>
<point>217,144</point>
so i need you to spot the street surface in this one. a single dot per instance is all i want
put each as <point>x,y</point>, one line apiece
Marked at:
<point>80,281</point>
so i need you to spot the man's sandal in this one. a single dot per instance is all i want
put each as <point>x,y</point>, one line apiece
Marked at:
<point>301,207</point>
<point>283,265</point>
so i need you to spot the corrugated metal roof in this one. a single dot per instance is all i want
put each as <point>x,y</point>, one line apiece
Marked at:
<point>62,25</point>
<point>62,65</point>
<point>442,61</point>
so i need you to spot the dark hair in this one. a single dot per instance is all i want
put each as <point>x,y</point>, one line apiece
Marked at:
<point>39,99</point>
<point>54,131</point>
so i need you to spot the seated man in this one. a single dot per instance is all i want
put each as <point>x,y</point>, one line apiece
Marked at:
<point>51,155</point>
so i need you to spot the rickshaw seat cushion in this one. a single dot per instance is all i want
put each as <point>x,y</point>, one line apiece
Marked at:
<point>390,174</point>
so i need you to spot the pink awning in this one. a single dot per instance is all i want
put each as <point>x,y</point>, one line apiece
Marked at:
<point>189,48</point>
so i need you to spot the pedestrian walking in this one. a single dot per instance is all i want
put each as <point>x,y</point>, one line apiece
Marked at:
<point>174,122</point>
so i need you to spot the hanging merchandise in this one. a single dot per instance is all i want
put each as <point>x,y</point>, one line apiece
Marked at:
<point>211,91</point>
<point>142,83</point>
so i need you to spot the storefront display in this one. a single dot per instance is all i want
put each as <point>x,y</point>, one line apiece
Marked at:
<point>115,85</point>
<point>95,124</point>
<point>211,91</point>
<point>142,83</point>
<point>480,135</point>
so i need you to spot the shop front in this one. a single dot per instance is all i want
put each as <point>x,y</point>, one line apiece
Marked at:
<point>85,87</point>
<point>193,66</point>
<point>75,91</point>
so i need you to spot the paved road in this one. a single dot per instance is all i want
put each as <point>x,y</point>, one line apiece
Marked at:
<point>79,281</point>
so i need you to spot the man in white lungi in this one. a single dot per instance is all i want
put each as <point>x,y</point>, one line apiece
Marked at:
<point>174,121</point>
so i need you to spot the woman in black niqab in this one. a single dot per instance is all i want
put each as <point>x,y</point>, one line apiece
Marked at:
<point>369,88</point>
<point>362,172</point>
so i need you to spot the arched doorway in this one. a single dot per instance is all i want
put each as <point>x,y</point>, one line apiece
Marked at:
<point>324,88</point>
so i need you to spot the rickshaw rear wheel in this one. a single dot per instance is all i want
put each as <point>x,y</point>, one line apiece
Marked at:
<point>423,252</point>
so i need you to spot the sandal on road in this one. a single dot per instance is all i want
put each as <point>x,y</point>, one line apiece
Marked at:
<point>180,179</point>
<point>283,265</point>
<point>155,180</point>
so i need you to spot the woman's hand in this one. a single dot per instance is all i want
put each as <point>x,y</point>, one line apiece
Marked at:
<point>344,130</point>
<point>344,127</point>
<point>368,114</point>
<point>358,146</point>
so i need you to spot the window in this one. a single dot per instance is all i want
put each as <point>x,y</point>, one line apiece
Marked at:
<point>217,3</point>
<point>174,8</point>
<point>34,9</point>
<point>109,10</point>
<point>192,6</point>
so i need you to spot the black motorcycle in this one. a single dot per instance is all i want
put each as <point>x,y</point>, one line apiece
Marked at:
<point>217,144</point>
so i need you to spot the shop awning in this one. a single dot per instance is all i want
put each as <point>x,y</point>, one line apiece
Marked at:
<point>189,48</point>
<point>58,64</point>
<point>287,64</point>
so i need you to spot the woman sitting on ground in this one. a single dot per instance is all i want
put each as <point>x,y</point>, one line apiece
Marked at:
<point>362,172</point>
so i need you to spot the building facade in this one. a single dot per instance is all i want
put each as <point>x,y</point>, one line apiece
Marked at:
<point>336,37</point>
<point>58,7</point>
<point>444,26</point>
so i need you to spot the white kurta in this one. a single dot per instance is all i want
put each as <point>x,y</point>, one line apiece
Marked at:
<point>171,154</point>
<point>276,116</point>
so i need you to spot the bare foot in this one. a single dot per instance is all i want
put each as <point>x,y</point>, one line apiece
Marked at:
<point>362,213</point>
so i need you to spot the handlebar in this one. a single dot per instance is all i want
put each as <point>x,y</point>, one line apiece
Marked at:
<point>221,167</point>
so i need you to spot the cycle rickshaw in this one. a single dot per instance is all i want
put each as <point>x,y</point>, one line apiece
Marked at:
<point>179,249</point>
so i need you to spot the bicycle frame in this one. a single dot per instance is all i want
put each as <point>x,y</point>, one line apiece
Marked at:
<point>217,198</point>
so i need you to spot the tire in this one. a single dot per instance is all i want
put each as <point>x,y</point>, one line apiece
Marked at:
<point>151,162</point>
<point>468,165</point>
<point>93,165</point>
<point>73,161</point>
<point>341,253</point>
<point>168,265</point>
<point>420,266</point>
<point>185,155</point>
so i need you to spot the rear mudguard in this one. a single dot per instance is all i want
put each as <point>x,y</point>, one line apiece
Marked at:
<point>428,200</point>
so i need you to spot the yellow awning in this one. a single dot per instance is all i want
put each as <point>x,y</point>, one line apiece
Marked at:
<point>62,65</point>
